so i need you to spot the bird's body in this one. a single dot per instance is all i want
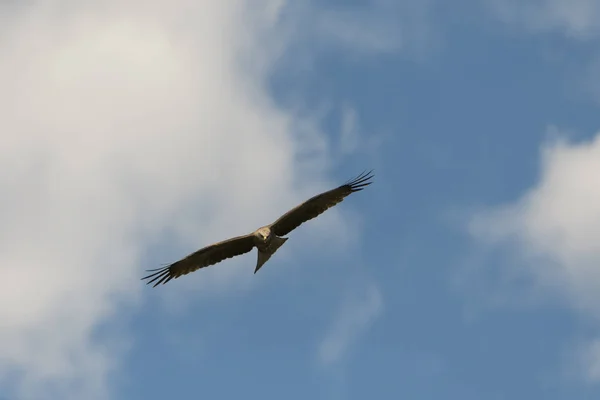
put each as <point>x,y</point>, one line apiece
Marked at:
<point>267,244</point>
<point>267,239</point>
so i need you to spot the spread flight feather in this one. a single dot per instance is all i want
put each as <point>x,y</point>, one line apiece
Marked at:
<point>266,239</point>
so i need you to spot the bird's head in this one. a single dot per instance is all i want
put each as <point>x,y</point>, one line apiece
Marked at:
<point>264,234</point>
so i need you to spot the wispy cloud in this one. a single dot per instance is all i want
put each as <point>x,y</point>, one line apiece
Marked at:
<point>578,21</point>
<point>575,18</point>
<point>557,221</point>
<point>122,123</point>
<point>349,130</point>
<point>352,320</point>
<point>371,27</point>
<point>588,361</point>
<point>553,230</point>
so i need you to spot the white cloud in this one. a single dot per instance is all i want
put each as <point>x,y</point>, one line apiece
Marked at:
<point>575,18</point>
<point>373,26</point>
<point>588,362</point>
<point>557,221</point>
<point>353,319</point>
<point>555,227</point>
<point>122,121</point>
<point>349,130</point>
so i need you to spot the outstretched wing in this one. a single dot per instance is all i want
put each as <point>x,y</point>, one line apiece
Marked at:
<point>318,204</point>
<point>202,258</point>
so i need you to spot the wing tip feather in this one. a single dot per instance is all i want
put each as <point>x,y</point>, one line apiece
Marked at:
<point>160,275</point>
<point>361,181</point>
<point>163,274</point>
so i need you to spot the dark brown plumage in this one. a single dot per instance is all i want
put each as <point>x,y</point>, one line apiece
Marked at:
<point>266,239</point>
<point>318,204</point>
<point>205,257</point>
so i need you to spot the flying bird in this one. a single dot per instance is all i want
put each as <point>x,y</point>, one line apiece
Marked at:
<point>267,239</point>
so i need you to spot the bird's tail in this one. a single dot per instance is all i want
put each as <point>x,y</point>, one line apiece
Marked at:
<point>263,257</point>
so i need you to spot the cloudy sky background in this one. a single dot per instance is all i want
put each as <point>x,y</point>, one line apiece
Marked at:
<point>132,133</point>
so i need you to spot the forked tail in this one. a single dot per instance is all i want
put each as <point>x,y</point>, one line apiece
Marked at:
<point>263,256</point>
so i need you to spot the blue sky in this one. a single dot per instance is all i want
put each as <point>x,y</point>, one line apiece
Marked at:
<point>138,132</point>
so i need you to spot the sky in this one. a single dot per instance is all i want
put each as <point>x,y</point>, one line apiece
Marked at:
<point>133,133</point>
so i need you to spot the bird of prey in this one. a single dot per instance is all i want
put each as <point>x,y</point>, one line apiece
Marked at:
<point>266,239</point>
